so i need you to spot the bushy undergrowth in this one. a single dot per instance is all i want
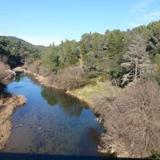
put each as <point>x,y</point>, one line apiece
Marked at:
<point>132,120</point>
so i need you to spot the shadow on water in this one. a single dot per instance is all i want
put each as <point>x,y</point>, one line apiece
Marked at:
<point>24,156</point>
<point>70,105</point>
<point>3,91</point>
<point>51,122</point>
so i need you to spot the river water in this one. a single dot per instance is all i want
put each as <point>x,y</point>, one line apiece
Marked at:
<point>51,122</point>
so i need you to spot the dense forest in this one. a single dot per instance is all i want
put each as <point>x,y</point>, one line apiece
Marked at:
<point>128,60</point>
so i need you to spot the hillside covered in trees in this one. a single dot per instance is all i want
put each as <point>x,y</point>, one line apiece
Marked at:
<point>13,51</point>
<point>121,56</point>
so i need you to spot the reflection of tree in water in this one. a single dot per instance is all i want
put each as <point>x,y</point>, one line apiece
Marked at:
<point>70,105</point>
<point>49,95</point>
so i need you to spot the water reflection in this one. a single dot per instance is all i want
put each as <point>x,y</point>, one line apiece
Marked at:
<point>49,96</point>
<point>70,105</point>
<point>51,122</point>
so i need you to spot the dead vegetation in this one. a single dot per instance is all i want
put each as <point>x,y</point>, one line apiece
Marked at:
<point>3,68</point>
<point>7,107</point>
<point>5,73</point>
<point>69,78</point>
<point>132,121</point>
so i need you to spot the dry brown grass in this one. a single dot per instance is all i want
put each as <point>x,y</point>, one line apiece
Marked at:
<point>132,121</point>
<point>69,78</point>
<point>3,73</point>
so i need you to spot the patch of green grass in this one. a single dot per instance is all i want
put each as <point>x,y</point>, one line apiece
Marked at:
<point>157,59</point>
<point>97,89</point>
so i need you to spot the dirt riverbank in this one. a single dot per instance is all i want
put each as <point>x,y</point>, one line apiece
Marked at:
<point>7,107</point>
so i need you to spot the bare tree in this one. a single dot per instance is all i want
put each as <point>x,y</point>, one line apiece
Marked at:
<point>136,60</point>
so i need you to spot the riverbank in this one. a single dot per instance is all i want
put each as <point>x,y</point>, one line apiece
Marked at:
<point>8,103</point>
<point>7,107</point>
<point>130,116</point>
<point>86,94</point>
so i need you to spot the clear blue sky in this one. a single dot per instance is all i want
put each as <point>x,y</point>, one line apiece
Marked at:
<point>44,21</point>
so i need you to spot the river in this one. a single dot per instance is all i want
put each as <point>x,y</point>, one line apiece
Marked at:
<point>51,122</point>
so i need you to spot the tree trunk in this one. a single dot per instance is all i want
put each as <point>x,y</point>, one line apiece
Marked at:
<point>136,69</point>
